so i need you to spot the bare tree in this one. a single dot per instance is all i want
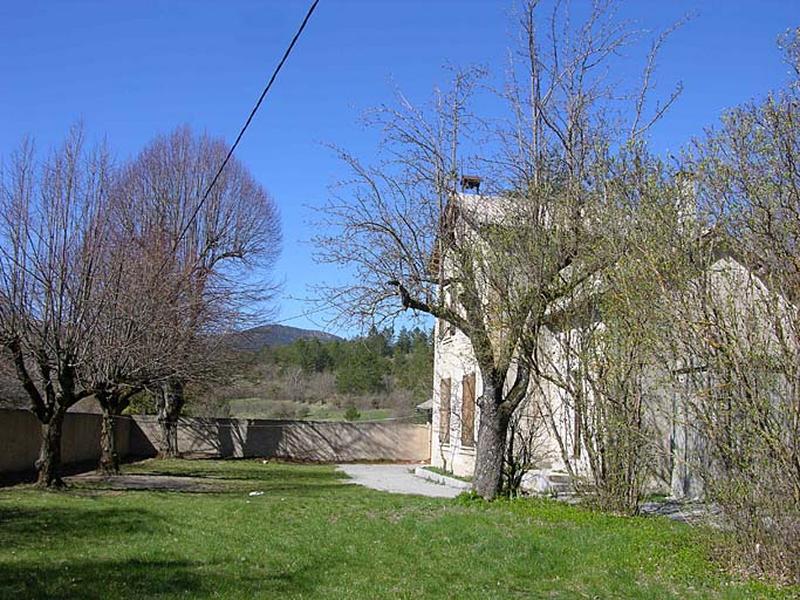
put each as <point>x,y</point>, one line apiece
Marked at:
<point>137,335</point>
<point>53,228</point>
<point>526,448</point>
<point>213,254</point>
<point>494,265</point>
<point>110,285</point>
<point>12,395</point>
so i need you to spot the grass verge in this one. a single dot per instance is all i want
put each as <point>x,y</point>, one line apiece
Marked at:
<point>309,535</point>
<point>440,471</point>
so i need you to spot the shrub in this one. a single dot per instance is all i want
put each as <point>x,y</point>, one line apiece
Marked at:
<point>352,413</point>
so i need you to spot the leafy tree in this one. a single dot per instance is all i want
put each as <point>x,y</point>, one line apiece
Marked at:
<point>352,413</point>
<point>362,371</point>
<point>413,366</point>
<point>741,327</point>
<point>379,342</point>
<point>403,343</point>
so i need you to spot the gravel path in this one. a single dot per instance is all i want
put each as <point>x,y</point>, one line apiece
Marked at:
<point>397,479</point>
<point>693,513</point>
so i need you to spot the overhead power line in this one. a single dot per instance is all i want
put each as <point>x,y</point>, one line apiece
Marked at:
<point>249,120</point>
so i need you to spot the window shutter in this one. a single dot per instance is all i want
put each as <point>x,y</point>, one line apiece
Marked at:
<point>444,411</point>
<point>468,410</point>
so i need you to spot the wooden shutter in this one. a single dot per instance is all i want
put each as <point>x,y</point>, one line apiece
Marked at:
<point>468,410</point>
<point>444,411</point>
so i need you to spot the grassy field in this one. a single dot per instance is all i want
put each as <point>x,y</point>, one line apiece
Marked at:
<point>258,408</point>
<point>311,536</point>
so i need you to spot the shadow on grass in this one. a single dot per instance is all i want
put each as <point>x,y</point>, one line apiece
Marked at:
<point>99,579</point>
<point>235,476</point>
<point>214,477</point>
<point>135,578</point>
<point>28,527</point>
<point>230,488</point>
<point>236,469</point>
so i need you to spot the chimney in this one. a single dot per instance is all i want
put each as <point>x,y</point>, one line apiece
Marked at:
<point>470,183</point>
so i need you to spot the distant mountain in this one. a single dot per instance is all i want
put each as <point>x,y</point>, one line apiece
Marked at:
<point>275,335</point>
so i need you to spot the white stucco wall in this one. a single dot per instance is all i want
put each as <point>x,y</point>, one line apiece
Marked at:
<point>453,358</point>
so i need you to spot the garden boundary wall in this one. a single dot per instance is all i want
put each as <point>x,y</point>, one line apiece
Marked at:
<point>139,437</point>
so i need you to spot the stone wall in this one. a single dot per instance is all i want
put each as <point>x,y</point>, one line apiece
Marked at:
<point>139,437</point>
<point>316,441</point>
<point>20,435</point>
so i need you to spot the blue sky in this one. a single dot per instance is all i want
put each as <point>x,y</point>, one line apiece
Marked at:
<point>131,70</point>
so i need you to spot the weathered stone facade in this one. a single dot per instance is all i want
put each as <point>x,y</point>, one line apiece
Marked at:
<point>679,445</point>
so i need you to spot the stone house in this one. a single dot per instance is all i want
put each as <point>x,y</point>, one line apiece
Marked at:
<point>457,385</point>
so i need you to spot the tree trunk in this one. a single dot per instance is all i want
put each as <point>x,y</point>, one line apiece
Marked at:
<point>169,433</point>
<point>112,401</point>
<point>170,403</point>
<point>491,447</point>
<point>48,465</point>
<point>109,456</point>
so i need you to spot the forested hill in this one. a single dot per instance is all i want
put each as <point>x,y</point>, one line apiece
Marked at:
<point>264,336</point>
<point>377,375</point>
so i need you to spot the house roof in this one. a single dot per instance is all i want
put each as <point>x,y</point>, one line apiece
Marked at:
<point>427,405</point>
<point>476,209</point>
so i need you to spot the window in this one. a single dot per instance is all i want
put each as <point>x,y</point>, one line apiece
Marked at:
<point>468,410</point>
<point>446,329</point>
<point>444,411</point>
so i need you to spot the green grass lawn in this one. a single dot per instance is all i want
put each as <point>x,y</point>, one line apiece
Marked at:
<point>440,471</point>
<point>312,536</point>
<point>257,408</point>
